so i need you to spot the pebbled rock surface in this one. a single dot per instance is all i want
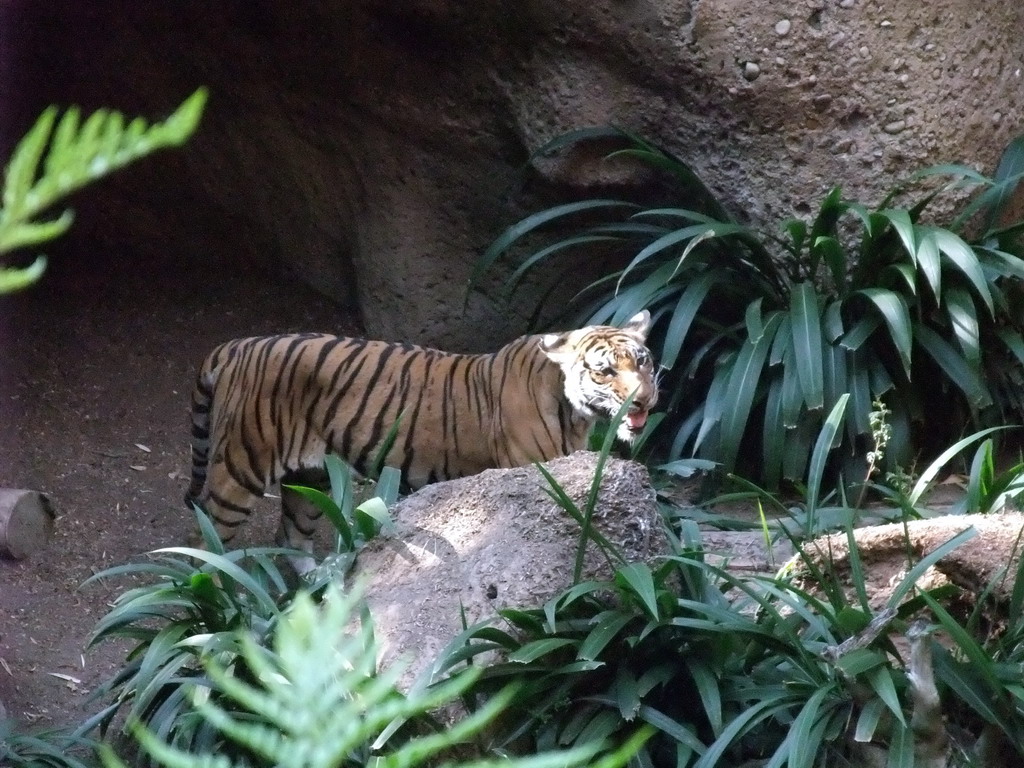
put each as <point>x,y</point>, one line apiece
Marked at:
<point>496,540</point>
<point>376,148</point>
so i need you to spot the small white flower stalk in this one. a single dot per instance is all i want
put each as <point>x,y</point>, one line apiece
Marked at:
<point>881,434</point>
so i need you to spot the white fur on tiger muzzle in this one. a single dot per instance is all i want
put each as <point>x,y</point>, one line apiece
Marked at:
<point>603,367</point>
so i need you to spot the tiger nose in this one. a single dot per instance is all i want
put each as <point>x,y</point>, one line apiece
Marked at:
<point>644,398</point>
<point>641,401</point>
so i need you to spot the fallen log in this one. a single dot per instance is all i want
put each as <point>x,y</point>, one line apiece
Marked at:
<point>26,522</point>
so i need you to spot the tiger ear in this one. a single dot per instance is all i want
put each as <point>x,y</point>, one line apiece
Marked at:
<point>556,346</point>
<point>639,325</point>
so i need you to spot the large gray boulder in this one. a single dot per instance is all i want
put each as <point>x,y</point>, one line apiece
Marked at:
<point>496,540</point>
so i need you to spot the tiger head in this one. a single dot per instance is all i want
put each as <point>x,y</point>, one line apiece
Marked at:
<point>603,366</point>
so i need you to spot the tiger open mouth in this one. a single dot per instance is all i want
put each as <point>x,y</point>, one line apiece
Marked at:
<point>636,419</point>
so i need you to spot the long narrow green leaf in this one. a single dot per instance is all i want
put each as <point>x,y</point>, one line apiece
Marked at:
<point>21,169</point>
<point>12,279</point>
<point>1014,342</point>
<point>329,508</point>
<point>638,579</point>
<point>739,725</point>
<point>929,262</point>
<point>602,634</point>
<point>690,302</point>
<point>744,381</point>
<point>894,311</point>
<point>805,320</point>
<point>966,260</point>
<point>371,516</point>
<point>867,721</point>
<point>339,475</point>
<point>979,665</point>
<point>932,470</point>
<point>507,238</point>
<point>860,332</point>
<point>964,321</point>
<point>834,370</point>
<point>538,648</point>
<point>228,568</point>
<point>555,248</point>
<point>681,732</point>
<point>834,256</point>
<point>881,682</point>
<point>773,435</point>
<point>952,169</point>
<point>658,158</point>
<point>822,447</point>
<point>1005,264</point>
<point>901,747</point>
<point>904,227</point>
<point>578,136</point>
<point>646,293</point>
<point>708,689</point>
<point>690,235</point>
<point>832,321</point>
<point>959,370</point>
<point>910,580</point>
<point>1007,176</point>
<point>805,751</point>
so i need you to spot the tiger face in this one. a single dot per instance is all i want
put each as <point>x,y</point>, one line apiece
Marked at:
<point>603,366</point>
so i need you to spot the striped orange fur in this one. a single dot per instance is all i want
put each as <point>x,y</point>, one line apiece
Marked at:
<point>267,410</point>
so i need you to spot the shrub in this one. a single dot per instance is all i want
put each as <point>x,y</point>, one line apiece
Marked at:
<point>762,333</point>
<point>44,749</point>
<point>796,669</point>
<point>197,601</point>
<point>193,605</point>
<point>315,701</point>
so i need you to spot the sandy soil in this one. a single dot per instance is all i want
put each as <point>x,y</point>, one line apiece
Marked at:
<point>96,364</point>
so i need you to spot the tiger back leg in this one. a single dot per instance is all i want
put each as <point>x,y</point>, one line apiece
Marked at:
<point>299,515</point>
<point>227,502</point>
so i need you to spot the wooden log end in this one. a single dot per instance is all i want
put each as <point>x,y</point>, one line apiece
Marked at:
<point>26,522</point>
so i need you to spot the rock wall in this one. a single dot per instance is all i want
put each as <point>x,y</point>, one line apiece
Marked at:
<point>375,147</point>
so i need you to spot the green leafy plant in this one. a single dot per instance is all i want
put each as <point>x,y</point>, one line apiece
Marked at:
<point>58,157</point>
<point>763,333</point>
<point>316,701</point>
<point>778,673</point>
<point>986,490</point>
<point>796,669</point>
<point>593,664</point>
<point>44,749</point>
<point>196,601</point>
<point>193,605</point>
<point>355,524</point>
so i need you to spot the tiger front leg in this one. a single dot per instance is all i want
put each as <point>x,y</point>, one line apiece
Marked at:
<point>299,517</point>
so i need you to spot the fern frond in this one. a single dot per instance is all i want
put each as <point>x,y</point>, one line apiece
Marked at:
<point>313,701</point>
<point>56,158</point>
<point>12,279</point>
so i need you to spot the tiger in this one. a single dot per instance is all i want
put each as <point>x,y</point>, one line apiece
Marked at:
<point>267,410</point>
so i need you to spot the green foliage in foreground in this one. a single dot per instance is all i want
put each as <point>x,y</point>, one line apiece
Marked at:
<point>312,699</point>
<point>681,663</point>
<point>58,157</point>
<point>796,670</point>
<point>762,333</point>
<point>43,749</point>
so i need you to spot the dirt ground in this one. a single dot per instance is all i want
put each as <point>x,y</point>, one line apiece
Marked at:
<point>96,364</point>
